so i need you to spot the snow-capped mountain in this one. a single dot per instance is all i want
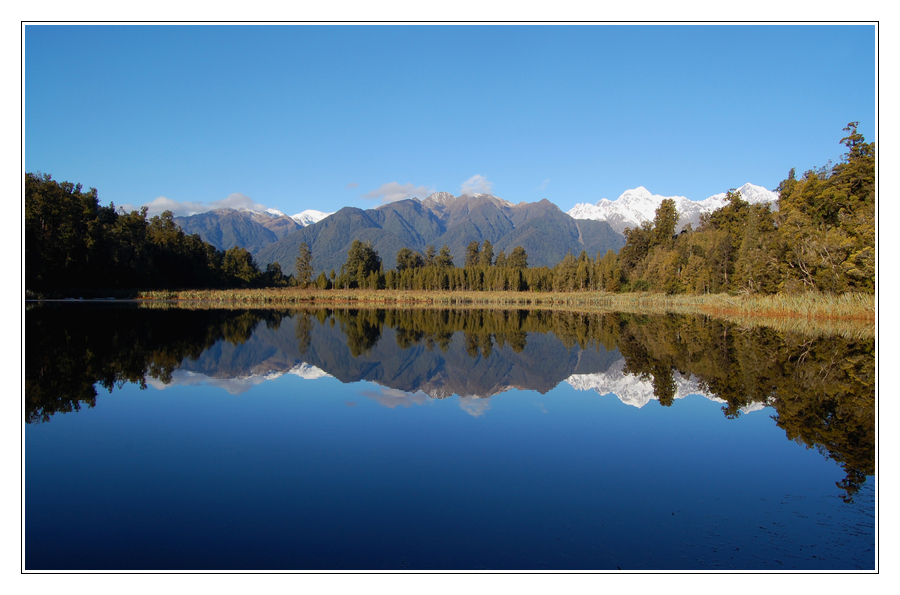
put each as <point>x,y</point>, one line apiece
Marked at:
<point>247,228</point>
<point>436,200</point>
<point>631,390</point>
<point>237,384</point>
<point>309,216</point>
<point>635,206</point>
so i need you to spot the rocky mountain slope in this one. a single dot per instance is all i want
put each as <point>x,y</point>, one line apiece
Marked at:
<point>253,230</point>
<point>542,229</point>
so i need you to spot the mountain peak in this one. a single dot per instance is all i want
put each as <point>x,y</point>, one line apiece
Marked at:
<point>439,198</point>
<point>309,216</point>
<point>637,205</point>
<point>445,199</point>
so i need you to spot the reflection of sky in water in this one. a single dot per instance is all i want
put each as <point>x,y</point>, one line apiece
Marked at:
<point>325,474</point>
<point>410,457</point>
<point>391,398</point>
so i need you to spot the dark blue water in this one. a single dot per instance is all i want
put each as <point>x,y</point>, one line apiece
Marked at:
<point>285,472</point>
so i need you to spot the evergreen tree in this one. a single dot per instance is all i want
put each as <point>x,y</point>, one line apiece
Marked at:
<point>430,256</point>
<point>362,260</point>
<point>444,259</point>
<point>664,223</point>
<point>304,266</point>
<point>407,259</point>
<point>486,258</point>
<point>472,256</point>
<point>518,258</point>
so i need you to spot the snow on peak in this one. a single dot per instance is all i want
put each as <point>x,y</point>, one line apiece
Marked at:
<point>309,216</point>
<point>632,390</point>
<point>308,371</point>
<point>751,193</point>
<point>443,199</point>
<point>637,205</point>
<point>439,198</point>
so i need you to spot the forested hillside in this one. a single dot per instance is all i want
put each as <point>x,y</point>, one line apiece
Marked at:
<point>71,242</point>
<point>543,230</point>
<point>821,238</point>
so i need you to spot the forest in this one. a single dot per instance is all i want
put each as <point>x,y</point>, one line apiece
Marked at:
<point>73,243</point>
<point>821,237</point>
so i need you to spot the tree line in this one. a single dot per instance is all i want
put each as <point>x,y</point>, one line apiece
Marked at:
<point>71,242</point>
<point>821,387</point>
<point>822,237</point>
<point>436,271</point>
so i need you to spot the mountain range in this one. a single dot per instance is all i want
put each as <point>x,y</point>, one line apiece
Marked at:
<point>635,206</point>
<point>541,228</point>
<point>541,365</point>
<point>253,230</point>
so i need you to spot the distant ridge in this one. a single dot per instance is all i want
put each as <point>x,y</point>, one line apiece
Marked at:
<point>253,230</point>
<point>541,228</point>
<point>635,206</point>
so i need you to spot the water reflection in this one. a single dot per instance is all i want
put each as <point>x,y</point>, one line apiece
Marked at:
<point>820,387</point>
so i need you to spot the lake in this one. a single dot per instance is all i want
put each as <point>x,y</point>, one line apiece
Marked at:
<point>174,438</point>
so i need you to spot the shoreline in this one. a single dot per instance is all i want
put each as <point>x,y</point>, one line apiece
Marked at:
<point>852,314</point>
<point>848,306</point>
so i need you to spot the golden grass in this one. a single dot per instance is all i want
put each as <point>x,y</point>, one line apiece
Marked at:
<point>846,314</point>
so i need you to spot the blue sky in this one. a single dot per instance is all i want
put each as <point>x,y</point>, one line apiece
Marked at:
<point>321,117</point>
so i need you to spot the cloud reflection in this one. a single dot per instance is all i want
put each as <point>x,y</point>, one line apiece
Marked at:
<point>393,398</point>
<point>474,406</point>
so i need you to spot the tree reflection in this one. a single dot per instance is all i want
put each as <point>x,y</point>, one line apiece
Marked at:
<point>69,352</point>
<point>822,388</point>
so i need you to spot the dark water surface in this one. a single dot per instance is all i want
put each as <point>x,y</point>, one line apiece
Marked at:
<point>442,439</point>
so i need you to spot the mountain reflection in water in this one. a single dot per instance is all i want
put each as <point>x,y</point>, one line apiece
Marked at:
<point>821,388</point>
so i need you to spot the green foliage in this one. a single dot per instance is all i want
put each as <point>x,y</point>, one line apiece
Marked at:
<point>407,259</point>
<point>486,258</point>
<point>472,256</point>
<point>274,277</point>
<point>303,265</point>
<point>362,261</point>
<point>821,239</point>
<point>238,265</point>
<point>444,259</point>
<point>72,243</point>
<point>518,258</point>
<point>664,223</point>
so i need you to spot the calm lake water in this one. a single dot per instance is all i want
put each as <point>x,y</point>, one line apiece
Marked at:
<point>442,439</point>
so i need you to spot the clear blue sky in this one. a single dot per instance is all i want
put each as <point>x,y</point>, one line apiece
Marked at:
<point>321,117</point>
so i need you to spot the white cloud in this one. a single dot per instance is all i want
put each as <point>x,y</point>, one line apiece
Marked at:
<point>237,201</point>
<point>543,185</point>
<point>186,208</point>
<point>477,184</point>
<point>162,203</point>
<point>392,192</point>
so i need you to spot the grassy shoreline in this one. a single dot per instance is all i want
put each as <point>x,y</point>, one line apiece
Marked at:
<point>849,306</point>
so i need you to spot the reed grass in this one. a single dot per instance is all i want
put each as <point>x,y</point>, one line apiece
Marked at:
<point>808,305</point>
<point>852,314</point>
